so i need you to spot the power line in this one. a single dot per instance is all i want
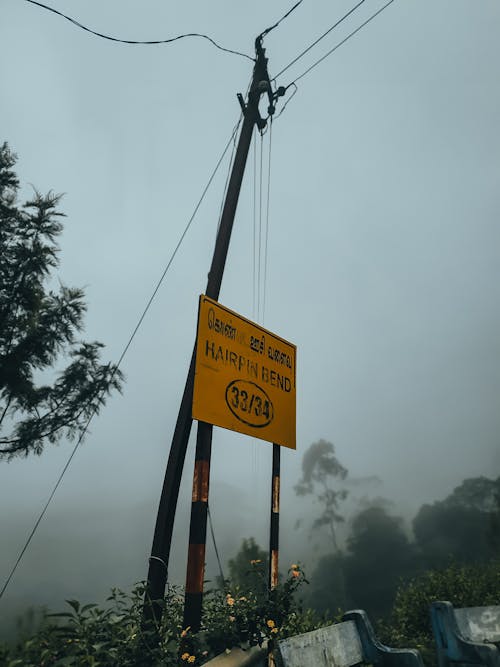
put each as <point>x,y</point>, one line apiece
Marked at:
<point>125,350</point>
<point>133,41</point>
<point>320,38</point>
<point>268,30</point>
<point>379,11</point>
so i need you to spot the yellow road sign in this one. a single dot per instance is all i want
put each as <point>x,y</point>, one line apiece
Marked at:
<point>244,376</point>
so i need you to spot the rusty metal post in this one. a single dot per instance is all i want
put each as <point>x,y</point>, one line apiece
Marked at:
<point>198,529</point>
<point>275,519</point>
<point>274,530</point>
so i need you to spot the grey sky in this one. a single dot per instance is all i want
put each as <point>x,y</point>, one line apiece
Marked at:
<point>384,247</point>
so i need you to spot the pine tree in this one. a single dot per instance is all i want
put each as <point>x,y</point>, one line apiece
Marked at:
<point>39,328</point>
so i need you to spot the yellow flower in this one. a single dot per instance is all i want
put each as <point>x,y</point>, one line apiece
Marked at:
<point>184,633</point>
<point>270,623</point>
<point>295,573</point>
<point>191,658</point>
<point>184,656</point>
<point>232,619</point>
<point>274,630</point>
<point>255,561</point>
<point>294,566</point>
<point>242,599</point>
<point>229,600</point>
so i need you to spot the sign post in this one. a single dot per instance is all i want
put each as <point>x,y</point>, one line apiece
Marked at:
<point>244,381</point>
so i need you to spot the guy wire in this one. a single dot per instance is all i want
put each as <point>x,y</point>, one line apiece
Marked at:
<point>267,220</point>
<point>117,366</point>
<point>254,230</point>
<point>215,545</point>
<point>259,268</point>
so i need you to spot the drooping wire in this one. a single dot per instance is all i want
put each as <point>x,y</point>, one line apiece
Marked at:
<point>319,39</point>
<point>268,30</point>
<point>351,34</point>
<point>120,360</point>
<point>143,42</point>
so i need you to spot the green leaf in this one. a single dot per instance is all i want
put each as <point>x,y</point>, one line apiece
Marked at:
<point>74,604</point>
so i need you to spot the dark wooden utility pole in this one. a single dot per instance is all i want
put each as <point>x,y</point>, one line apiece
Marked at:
<point>160,552</point>
<point>275,520</point>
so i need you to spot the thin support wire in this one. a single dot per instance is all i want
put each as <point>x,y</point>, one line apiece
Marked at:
<point>267,220</point>
<point>215,544</point>
<point>254,230</point>
<point>259,267</point>
<point>122,356</point>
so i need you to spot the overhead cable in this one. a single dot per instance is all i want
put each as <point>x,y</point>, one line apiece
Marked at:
<point>268,30</point>
<point>320,38</point>
<point>122,356</point>
<point>133,41</point>
<point>379,11</point>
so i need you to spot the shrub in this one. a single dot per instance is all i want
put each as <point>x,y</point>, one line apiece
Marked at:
<point>409,624</point>
<point>112,636</point>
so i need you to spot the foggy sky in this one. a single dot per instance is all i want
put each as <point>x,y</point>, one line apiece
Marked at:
<point>383,257</point>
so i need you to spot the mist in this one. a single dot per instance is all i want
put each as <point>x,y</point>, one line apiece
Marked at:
<point>382,266</point>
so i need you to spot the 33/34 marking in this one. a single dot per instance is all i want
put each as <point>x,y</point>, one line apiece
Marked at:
<point>249,403</point>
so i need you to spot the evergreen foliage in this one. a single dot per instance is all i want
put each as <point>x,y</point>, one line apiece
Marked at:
<point>248,570</point>
<point>39,328</point>
<point>409,623</point>
<point>113,636</point>
<point>379,556</point>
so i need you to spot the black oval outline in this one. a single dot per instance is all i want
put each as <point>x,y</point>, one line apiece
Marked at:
<point>260,389</point>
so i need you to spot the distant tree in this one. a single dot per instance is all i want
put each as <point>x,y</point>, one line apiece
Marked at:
<point>320,467</point>
<point>327,592</point>
<point>38,329</point>
<point>380,555</point>
<point>479,493</point>
<point>248,570</point>
<point>463,527</point>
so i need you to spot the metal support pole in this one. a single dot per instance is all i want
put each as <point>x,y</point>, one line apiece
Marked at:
<point>275,519</point>
<point>198,529</point>
<point>274,530</point>
<point>160,552</point>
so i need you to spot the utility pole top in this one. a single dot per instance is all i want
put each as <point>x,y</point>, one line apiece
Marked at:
<point>261,85</point>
